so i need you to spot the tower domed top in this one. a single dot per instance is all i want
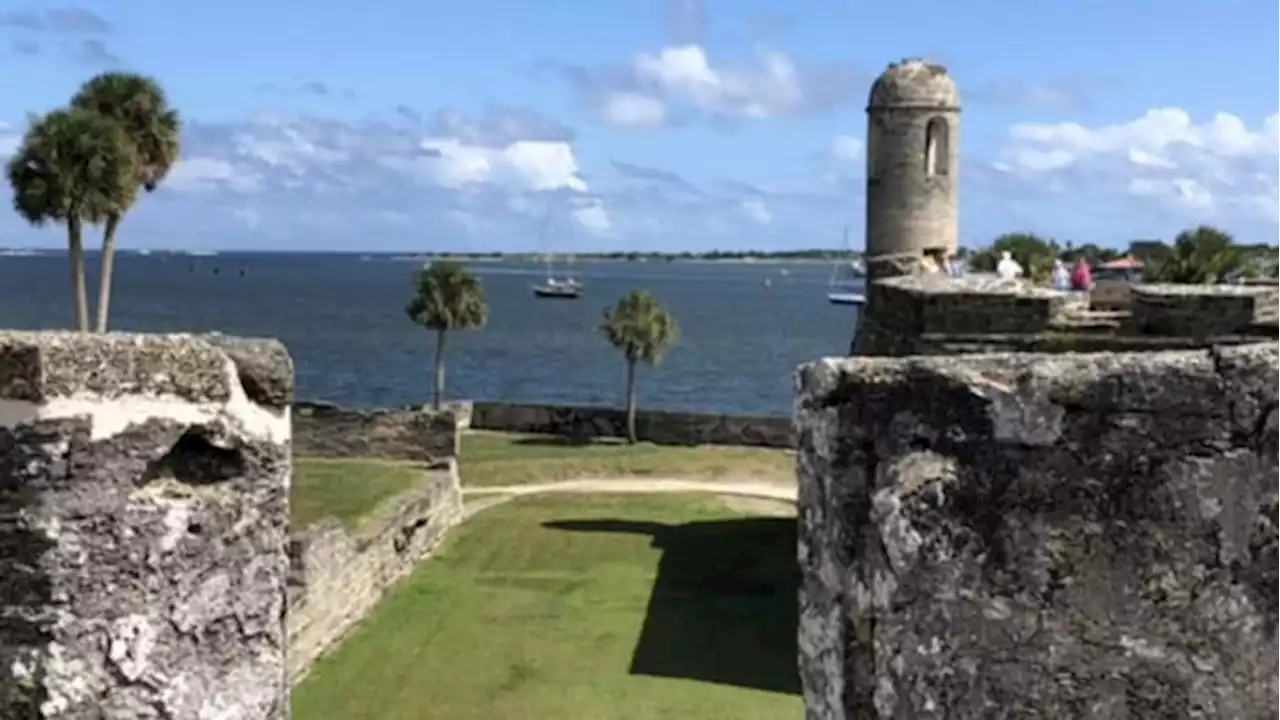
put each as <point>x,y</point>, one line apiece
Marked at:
<point>914,83</point>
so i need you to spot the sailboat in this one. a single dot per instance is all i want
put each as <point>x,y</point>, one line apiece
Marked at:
<point>566,288</point>
<point>838,291</point>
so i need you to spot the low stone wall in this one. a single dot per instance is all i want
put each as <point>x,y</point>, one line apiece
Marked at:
<point>325,430</point>
<point>1201,310</point>
<point>338,575</point>
<point>663,428</point>
<point>1039,535</point>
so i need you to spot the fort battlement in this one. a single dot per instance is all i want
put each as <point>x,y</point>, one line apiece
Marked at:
<point>935,314</point>
<point>143,526</point>
<point>1033,535</point>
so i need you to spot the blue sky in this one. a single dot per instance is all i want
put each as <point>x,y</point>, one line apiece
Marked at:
<point>661,125</point>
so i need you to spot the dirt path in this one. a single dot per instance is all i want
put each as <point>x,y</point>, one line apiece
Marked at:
<point>480,498</point>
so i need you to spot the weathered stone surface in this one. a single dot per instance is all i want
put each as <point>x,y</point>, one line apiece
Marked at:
<point>1053,536</point>
<point>143,531</point>
<point>324,430</point>
<point>339,574</point>
<point>265,368</point>
<point>925,314</point>
<point>39,365</point>
<point>1201,310</point>
<point>663,428</point>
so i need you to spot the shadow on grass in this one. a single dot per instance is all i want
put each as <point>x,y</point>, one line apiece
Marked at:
<point>724,605</point>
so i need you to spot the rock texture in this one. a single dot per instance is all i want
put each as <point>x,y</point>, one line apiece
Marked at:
<point>663,428</point>
<point>1052,536</point>
<point>340,574</point>
<point>324,430</point>
<point>143,525</point>
<point>1202,310</point>
<point>934,314</point>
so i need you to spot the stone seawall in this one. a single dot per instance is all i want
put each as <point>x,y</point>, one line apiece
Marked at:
<point>1039,535</point>
<point>325,430</point>
<point>655,426</point>
<point>338,575</point>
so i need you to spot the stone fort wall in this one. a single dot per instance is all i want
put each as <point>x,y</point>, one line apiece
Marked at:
<point>933,314</point>
<point>1040,534</point>
<point>144,518</point>
<point>325,430</point>
<point>338,574</point>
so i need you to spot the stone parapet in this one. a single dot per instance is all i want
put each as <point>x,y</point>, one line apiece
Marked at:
<point>1039,535</point>
<point>1201,310</point>
<point>143,526</point>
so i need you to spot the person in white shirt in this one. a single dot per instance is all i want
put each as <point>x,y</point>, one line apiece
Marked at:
<point>1008,268</point>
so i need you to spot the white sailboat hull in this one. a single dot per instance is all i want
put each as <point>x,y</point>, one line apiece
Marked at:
<point>837,297</point>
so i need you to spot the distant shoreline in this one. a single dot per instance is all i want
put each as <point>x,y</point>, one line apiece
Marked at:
<point>816,257</point>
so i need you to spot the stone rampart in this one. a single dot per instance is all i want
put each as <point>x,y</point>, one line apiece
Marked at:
<point>937,314</point>
<point>1201,310</point>
<point>143,526</point>
<point>1039,535</point>
<point>655,426</point>
<point>339,574</point>
<point>411,433</point>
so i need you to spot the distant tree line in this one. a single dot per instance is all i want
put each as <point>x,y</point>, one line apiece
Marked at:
<point>634,256</point>
<point>1198,255</point>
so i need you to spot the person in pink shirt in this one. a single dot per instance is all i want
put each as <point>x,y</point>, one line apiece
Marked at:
<point>1081,276</point>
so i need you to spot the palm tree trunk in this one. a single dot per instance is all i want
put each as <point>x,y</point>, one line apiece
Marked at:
<point>106,270</point>
<point>75,258</point>
<point>438,389</point>
<point>631,401</point>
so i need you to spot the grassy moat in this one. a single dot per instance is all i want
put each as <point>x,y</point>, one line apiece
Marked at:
<point>574,606</point>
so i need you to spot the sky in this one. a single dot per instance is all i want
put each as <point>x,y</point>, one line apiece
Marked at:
<point>672,125</point>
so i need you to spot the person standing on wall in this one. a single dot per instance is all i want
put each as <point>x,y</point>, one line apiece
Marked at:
<point>1081,276</point>
<point>1061,277</point>
<point>1008,268</point>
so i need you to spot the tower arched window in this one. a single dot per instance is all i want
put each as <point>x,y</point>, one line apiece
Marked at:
<point>937,147</point>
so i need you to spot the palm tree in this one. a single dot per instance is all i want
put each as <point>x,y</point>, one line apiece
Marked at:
<point>74,166</point>
<point>1200,256</point>
<point>139,105</point>
<point>642,330</point>
<point>446,296</point>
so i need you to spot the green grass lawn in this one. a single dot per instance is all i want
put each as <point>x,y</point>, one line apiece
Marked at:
<point>347,490</point>
<point>489,459</point>
<point>587,607</point>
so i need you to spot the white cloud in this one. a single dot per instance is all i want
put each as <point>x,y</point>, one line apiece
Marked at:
<point>202,174</point>
<point>593,218</point>
<point>769,87</point>
<point>756,211</point>
<point>1200,169</point>
<point>633,110</point>
<point>847,149</point>
<point>9,140</point>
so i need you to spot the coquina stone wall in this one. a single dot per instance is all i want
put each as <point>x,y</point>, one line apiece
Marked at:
<point>1202,310</point>
<point>660,427</point>
<point>934,314</point>
<point>339,574</point>
<point>143,526</point>
<point>411,433</point>
<point>1057,536</point>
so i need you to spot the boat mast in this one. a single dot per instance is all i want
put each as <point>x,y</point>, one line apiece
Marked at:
<point>835,266</point>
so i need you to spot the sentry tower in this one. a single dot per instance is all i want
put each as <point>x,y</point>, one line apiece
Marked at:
<point>913,122</point>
